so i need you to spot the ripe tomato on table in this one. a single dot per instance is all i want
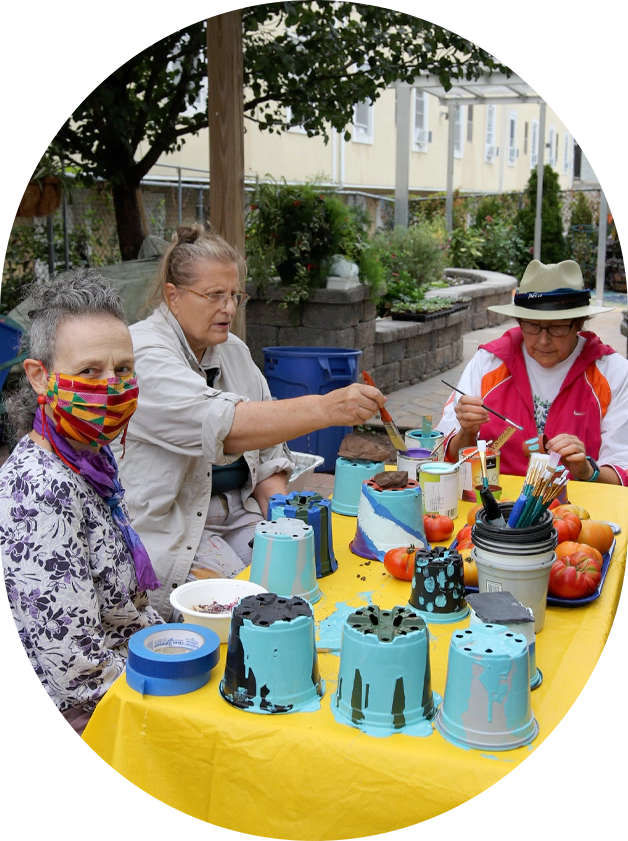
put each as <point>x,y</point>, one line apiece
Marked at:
<point>571,546</point>
<point>574,576</point>
<point>567,525</point>
<point>400,562</point>
<point>598,534</point>
<point>437,527</point>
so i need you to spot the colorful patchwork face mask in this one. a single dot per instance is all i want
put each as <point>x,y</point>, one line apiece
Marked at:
<point>91,411</point>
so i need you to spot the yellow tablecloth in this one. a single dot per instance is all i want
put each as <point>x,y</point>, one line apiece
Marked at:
<point>305,776</point>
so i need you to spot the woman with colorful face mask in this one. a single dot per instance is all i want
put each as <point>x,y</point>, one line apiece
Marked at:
<point>205,448</point>
<point>76,571</point>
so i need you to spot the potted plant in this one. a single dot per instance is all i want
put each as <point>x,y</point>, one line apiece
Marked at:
<point>294,234</point>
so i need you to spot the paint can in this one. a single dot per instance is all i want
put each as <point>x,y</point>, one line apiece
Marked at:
<point>412,460</point>
<point>439,486</point>
<point>470,473</point>
<point>415,438</point>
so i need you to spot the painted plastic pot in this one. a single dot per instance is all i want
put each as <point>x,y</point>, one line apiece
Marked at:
<point>284,560</point>
<point>311,508</point>
<point>350,473</point>
<point>438,585</point>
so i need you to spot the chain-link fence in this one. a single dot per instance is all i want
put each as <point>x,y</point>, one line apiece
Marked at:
<point>82,231</point>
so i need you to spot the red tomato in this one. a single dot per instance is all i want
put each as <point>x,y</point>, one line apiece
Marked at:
<point>567,525</point>
<point>437,527</point>
<point>400,562</point>
<point>574,576</point>
<point>464,534</point>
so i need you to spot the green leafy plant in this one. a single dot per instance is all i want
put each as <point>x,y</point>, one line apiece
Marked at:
<point>581,211</point>
<point>294,231</point>
<point>428,305</point>
<point>465,248</point>
<point>503,249</point>
<point>553,246</point>
<point>412,259</point>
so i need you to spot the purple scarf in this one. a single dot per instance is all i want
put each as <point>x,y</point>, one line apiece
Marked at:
<point>99,469</point>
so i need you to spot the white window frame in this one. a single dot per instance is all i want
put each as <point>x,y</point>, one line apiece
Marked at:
<point>297,129</point>
<point>551,158</point>
<point>513,152</point>
<point>567,153</point>
<point>458,130</point>
<point>363,132</point>
<point>534,144</point>
<point>490,146</point>
<point>420,132</point>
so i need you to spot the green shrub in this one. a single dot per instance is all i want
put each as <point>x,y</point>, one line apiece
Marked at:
<point>553,246</point>
<point>411,260</point>
<point>465,248</point>
<point>581,212</point>
<point>503,249</point>
<point>292,233</point>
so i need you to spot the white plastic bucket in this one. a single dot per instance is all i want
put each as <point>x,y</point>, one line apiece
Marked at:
<point>528,584</point>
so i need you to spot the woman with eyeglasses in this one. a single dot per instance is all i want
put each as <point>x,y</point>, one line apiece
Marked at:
<point>550,376</point>
<point>205,451</point>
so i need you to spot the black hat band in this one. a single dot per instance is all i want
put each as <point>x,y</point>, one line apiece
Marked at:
<point>559,299</point>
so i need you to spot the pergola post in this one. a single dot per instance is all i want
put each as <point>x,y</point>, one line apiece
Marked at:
<point>540,171</point>
<point>225,99</point>
<point>449,200</point>
<point>600,273</point>
<point>402,162</point>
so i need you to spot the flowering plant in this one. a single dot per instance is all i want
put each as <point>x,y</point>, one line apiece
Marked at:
<point>294,231</point>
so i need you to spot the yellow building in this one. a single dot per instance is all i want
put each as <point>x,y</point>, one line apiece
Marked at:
<point>495,146</point>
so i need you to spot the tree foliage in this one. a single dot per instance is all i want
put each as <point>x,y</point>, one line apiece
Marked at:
<point>317,59</point>
<point>553,246</point>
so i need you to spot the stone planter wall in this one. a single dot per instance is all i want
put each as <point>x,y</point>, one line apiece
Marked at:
<point>331,318</point>
<point>395,353</point>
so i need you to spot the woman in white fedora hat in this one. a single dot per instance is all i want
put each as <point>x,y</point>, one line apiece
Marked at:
<point>550,376</point>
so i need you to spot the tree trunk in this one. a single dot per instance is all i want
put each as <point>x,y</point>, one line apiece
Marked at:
<point>128,220</point>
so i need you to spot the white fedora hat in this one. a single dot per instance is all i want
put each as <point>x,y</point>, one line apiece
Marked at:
<point>550,292</point>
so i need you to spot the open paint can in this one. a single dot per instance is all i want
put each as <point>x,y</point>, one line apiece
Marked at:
<point>439,486</point>
<point>412,460</point>
<point>471,472</point>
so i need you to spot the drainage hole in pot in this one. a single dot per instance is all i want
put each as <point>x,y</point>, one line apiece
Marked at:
<point>488,651</point>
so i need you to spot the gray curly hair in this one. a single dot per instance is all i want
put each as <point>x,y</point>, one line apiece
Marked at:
<point>74,294</point>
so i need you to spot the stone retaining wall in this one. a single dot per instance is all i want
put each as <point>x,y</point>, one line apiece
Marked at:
<point>396,353</point>
<point>331,318</point>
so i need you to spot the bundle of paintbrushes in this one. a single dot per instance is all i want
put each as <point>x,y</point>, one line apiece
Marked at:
<point>544,481</point>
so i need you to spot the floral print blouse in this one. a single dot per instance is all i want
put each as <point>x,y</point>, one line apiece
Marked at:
<point>69,575</point>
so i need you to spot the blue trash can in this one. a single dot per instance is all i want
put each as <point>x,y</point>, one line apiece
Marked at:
<point>295,371</point>
<point>10,334</point>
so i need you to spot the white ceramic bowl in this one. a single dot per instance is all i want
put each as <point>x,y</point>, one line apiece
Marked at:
<point>206,591</point>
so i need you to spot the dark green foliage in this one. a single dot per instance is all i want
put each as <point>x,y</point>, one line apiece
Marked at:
<point>553,246</point>
<point>581,212</point>
<point>412,260</point>
<point>317,58</point>
<point>293,231</point>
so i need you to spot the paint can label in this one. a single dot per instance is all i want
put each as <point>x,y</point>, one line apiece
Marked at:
<point>439,486</point>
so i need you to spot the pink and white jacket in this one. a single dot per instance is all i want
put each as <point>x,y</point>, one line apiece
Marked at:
<point>592,402</point>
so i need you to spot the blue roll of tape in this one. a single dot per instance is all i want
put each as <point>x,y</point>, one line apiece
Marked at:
<point>171,659</point>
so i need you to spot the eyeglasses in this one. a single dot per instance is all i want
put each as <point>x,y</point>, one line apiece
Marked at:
<point>555,330</point>
<point>239,299</point>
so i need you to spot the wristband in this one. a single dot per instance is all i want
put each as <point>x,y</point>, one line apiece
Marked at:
<point>596,471</point>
